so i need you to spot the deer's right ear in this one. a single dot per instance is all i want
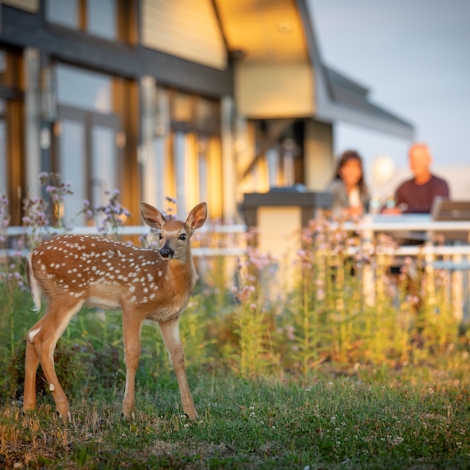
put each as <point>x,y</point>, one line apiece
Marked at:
<point>152,217</point>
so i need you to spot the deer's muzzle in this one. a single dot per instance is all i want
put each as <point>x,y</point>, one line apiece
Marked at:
<point>166,253</point>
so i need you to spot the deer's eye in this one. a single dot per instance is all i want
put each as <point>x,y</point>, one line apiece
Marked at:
<point>182,236</point>
<point>160,236</point>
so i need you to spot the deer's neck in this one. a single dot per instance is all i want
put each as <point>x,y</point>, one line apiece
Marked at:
<point>181,272</point>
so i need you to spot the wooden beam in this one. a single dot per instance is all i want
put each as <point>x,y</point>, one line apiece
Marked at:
<point>276,130</point>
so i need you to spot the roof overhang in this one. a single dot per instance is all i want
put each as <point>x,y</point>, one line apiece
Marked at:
<point>279,72</point>
<point>340,99</point>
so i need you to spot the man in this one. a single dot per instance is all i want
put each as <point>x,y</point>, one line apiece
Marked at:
<point>417,194</point>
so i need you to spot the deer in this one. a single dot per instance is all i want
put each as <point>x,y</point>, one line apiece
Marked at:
<point>146,284</point>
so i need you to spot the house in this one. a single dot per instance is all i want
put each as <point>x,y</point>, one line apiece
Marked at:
<point>192,99</point>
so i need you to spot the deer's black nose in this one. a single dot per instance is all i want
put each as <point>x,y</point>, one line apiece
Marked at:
<point>166,253</point>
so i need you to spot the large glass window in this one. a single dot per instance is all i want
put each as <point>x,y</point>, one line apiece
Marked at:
<point>90,136</point>
<point>104,162</point>
<point>73,166</point>
<point>187,153</point>
<point>97,17</point>
<point>193,112</point>
<point>64,12</point>
<point>84,89</point>
<point>102,18</point>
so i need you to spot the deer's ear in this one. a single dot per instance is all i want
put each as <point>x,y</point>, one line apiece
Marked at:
<point>197,216</point>
<point>152,217</point>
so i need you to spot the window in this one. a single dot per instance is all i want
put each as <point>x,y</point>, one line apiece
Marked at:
<point>102,18</point>
<point>64,12</point>
<point>84,89</point>
<point>192,112</point>
<point>186,158</point>
<point>94,138</point>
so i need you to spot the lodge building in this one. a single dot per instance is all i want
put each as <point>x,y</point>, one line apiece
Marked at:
<point>192,99</point>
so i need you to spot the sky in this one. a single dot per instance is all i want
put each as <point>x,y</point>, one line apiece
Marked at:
<point>414,56</point>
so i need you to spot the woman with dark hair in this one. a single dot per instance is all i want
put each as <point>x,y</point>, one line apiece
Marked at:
<point>350,194</point>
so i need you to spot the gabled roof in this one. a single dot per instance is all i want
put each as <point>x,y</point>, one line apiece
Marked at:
<point>339,98</point>
<point>345,92</point>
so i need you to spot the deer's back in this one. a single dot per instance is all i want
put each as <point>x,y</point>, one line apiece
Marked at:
<point>109,274</point>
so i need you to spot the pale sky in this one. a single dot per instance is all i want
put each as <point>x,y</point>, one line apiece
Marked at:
<point>414,55</point>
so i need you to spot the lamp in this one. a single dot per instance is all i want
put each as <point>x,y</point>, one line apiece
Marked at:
<point>383,169</point>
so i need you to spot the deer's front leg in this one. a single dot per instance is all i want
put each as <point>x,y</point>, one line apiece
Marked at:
<point>131,327</point>
<point>171,336</point>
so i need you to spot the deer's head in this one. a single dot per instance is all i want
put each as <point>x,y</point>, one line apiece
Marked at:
<point>174,234</point>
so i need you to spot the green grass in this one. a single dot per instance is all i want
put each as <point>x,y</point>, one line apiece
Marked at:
<point>323,371</point>
<point>376,418</point>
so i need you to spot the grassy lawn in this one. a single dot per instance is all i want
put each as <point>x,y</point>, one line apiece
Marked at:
<point>379,418</point>
<point>331,364</point>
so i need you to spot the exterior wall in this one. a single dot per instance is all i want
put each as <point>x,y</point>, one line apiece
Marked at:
<point>318,154</point>
<point>187,28</point>
<point>228,160</point>
<point>274,90</point>
<point>29,5</point>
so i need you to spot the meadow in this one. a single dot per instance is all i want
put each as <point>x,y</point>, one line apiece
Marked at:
<point>327,362</point>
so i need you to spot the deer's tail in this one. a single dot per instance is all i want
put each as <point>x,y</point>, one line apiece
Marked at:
<point>33,284</point>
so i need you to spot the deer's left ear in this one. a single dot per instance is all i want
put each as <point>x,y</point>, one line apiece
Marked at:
<point>197,216</point>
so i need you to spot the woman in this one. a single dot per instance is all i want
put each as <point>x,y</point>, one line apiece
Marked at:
<point>350,194</point>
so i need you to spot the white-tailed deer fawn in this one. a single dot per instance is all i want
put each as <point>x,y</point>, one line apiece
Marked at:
<point>73,270</point>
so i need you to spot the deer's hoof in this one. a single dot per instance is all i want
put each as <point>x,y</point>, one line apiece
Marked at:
<point>128,416</point>
<point>65,417</point>
<point>192,417</point>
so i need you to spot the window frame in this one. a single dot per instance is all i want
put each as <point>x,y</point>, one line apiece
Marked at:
<point>126,27</point>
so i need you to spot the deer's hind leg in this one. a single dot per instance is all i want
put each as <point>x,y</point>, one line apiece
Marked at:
<point>31,366</point>
<point>59,313</point>
<point>132,327</point>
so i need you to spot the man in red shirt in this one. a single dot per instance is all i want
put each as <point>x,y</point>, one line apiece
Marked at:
<point>417,194</point>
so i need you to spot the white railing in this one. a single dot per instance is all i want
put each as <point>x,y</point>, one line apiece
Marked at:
<point>140,230</point>
<point>368,227</point>
<point>454,258</point>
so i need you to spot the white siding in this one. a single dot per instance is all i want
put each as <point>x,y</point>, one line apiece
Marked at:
<point>274,90</point>
<point>29,5</point>
<point>185,28</point>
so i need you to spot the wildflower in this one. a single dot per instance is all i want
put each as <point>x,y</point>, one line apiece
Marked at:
<point>112,214</point>
<point>43,176</point>
<point>290,332</point>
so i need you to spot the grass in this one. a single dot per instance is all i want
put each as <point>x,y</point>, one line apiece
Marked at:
<point>375,418</point>
<point>330,364</point>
